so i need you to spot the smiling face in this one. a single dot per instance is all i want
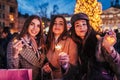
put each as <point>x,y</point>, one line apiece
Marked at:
<point>34,27</point>
<point>58,26</point>
<point>81,28</point>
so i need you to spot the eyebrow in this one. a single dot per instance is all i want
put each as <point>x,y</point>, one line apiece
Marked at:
<point>77,23</point>
<point>60,21</point>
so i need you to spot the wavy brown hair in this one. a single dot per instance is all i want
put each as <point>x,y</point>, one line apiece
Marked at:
<point>39,38</point>
<point>50,36</point>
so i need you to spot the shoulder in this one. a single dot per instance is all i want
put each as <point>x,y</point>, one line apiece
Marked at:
<point>70,41</point>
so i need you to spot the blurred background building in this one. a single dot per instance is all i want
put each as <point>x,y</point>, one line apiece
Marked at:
<point>111,16</point>
<point>8,13</point>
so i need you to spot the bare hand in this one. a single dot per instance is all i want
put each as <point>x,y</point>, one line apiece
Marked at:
<point>109,40</point>
<point>64,60</point>
<point>47,68</point>
<point>17,47</point>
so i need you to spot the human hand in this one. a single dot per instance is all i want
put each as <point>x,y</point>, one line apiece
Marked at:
<point>17,47</point>
<point>109,41</point>
<point>64,60</point>
<point>47,68</point>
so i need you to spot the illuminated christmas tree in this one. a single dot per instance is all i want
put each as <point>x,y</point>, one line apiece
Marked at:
<point>93,9</point>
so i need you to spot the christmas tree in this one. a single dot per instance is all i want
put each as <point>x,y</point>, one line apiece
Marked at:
<point>93,9</point>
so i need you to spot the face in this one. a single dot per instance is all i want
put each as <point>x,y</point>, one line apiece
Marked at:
<point>34,27</point>
<point>81,28</point>
<point>58,26</point>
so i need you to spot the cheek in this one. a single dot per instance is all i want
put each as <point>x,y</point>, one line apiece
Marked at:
<point>38,29</point>
<point>62,29</point>
<point>77,31</point>
<point>53,29</point>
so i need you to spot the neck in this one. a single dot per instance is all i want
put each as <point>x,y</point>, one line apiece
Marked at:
<point>56,38</point>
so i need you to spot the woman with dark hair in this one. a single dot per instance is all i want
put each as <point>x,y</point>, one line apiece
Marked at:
<point>61,51</point>
<point>27,50</point>
<point>98,59</point>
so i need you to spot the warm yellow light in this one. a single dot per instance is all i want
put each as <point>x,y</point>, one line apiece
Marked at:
<point>93,9</point>
<point>11,17</point>
<point>58,47</point>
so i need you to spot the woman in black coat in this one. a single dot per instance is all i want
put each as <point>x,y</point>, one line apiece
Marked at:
<point>98,59</point>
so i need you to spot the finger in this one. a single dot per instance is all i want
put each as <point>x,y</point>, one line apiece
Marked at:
<point>64,57</point>
<point>17,44</point>
<point>67,60</point>
<point>47,69</point>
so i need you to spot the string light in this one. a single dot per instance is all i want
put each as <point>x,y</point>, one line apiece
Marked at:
<point>93,9</point>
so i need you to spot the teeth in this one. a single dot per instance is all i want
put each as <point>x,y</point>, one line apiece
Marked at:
<point>33,32</point>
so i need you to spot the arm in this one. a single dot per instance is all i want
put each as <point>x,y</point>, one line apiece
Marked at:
<point>113,57</point>
<point>72,52</point>
<point>11,61</point>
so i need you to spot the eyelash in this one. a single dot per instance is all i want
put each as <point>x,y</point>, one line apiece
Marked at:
<point>84,24</point>
<point>58,24</point>
<point>33,24</point>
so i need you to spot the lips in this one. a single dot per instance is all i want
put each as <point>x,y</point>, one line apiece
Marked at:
<point>82,31</point>
<point>57,29</point>
<point>34,32</point>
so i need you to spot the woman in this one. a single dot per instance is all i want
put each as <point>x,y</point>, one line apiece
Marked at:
<point>61,50</point>
<point>27,49</point>
<point>98,59</point>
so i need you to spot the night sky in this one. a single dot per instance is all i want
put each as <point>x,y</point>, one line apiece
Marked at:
<point>64,6</point>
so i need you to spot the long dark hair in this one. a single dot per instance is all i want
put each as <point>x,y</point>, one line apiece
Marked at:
<point>86,47</point>
<point>50,36</point>
<point>39,37</point>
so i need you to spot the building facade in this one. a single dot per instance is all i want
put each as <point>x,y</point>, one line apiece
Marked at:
<point>111,18</point>
<point>9,13</point>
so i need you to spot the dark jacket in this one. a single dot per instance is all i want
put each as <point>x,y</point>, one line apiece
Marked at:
<point>103,66</point>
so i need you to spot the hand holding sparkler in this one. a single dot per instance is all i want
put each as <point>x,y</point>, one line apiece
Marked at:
<point>58,47</point>
<point>109,40</point>
<point>17,47</point>
<point>64,60</point>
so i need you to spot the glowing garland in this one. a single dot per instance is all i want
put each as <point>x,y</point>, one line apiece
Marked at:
<point>93,9</point>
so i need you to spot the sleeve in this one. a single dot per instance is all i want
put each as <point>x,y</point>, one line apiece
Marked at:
<point>72,69</point>
<point>114,61</point>
<point>12,63</point>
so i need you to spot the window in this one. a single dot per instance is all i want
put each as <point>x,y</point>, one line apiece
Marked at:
<point>2,16</point>
<point>2,6</point>
<point>12,10</point>
<point>2,24</point>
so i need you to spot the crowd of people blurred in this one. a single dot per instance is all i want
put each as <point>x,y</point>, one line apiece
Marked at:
<point>79,53</point>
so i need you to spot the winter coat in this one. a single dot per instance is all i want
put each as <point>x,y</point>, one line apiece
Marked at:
<point>68,46</point>
<point>27,59</point>
<point>105,66</point>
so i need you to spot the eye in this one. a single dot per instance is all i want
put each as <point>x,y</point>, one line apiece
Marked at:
<point>31,23</point>
<point>77,25</point>
<point>61,24</point>
<point>38,26</point>
<point>84,24</point>
<point>55,23</point>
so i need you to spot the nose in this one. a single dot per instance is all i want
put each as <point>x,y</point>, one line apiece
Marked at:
<point>34,27</point>
<point>57,25</point>
<point>81,26</point>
